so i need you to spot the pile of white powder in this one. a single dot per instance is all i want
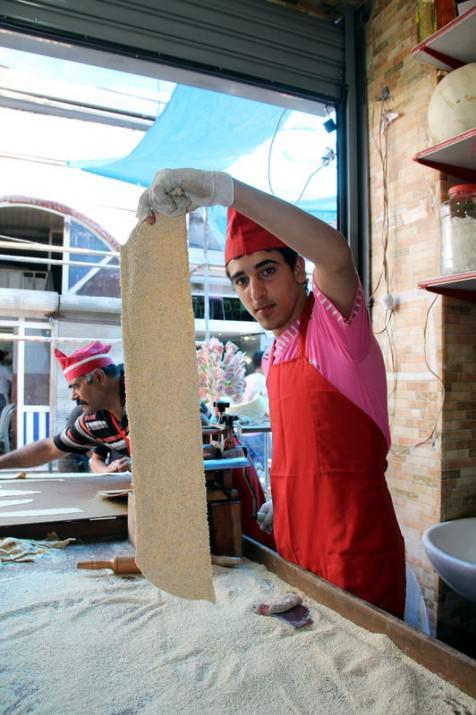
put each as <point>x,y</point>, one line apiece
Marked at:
<point>94,642</point>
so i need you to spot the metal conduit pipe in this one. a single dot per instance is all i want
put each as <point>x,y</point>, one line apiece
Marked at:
<point>71,303</point>
<point>14,245</point>
<point>13,300</point>
<point>48,302</point>
<point>57,262</point>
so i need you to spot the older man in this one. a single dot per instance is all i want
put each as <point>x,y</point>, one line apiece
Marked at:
<point>97,385</point>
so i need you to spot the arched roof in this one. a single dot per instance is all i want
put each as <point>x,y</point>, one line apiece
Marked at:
<point>17,200</point>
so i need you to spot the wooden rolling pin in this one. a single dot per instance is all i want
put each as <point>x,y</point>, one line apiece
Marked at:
<point>127,564</point>
<point>226,560</point>
<point>119,564</point>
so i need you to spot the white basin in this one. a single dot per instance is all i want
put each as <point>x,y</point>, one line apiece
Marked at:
<point>451,548</point>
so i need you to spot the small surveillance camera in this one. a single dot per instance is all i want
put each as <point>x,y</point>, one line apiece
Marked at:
<point>330,126</point>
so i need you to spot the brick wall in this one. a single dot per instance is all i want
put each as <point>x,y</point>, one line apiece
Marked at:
<point>432,464</point>
<point>456,616</point>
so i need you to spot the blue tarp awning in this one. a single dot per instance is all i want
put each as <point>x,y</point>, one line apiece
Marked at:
<point>201,129</point>
<point>198,129</point>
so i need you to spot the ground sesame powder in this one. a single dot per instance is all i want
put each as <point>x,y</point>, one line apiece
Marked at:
<point>95,642</point>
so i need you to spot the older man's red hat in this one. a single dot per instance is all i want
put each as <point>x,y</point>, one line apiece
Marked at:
<point>83,360</point>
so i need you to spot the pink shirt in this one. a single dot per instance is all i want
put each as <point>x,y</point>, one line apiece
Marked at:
<point>344,351</point>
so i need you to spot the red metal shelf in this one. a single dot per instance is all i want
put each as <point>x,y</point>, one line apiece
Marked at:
<point>456,156</point>
<point>461,285</point>
<point>452,46</point>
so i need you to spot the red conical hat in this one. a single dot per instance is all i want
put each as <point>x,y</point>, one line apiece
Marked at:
<point>83,360</point>
<point>244,236</point>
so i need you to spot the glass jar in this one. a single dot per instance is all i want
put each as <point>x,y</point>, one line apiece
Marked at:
<point>458,230</point>
<point>445,11</point>
<point>425,19</point>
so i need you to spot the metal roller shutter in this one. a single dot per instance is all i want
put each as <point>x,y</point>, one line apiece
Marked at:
<point>252,40</point>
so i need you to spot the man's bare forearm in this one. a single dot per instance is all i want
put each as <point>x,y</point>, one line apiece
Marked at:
<point>309,236</point>
<point>32,455</point>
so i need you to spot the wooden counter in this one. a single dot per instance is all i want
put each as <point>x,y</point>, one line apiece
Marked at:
<point>69,506</point>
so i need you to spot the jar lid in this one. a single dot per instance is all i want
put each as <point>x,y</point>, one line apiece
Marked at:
<point>461,189</point>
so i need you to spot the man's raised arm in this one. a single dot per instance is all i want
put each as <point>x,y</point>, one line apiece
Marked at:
<point>312,238</point>
<point>175,191</point>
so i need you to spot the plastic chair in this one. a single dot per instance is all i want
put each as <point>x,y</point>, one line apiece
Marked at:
<point>5,423</point>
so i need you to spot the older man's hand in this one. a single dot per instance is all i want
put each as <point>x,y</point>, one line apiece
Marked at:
<point>120,465</point>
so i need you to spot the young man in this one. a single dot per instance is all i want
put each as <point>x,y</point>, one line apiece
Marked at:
<point>333,513</point>
<point>97,385</point>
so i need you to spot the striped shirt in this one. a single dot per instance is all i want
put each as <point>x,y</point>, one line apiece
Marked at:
<point>97,428</point>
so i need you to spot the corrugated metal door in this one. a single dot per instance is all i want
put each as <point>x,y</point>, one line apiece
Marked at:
<point>252,40</point>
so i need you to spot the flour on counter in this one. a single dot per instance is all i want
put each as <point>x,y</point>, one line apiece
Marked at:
<point>93,642</point>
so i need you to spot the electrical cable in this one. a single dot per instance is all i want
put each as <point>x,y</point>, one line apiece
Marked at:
<point>270,150</point>
<point>383,156</point>
<point>438,377</point>
<point>381,146</point>
<point>325,161</point>
<point>431,436</point>
<point>387,322</point>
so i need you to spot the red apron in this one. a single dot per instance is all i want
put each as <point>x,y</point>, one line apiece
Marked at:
<point>333,513</point>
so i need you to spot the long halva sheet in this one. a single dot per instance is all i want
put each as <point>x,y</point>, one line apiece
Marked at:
<point>172,539</point>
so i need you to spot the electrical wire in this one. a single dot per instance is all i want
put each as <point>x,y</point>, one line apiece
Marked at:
<point>438,377</point>
<point>270,150</point>
<point>389,315</point>
<point>325,161</point>
<point>381,145</point>
<point>431,436</point>
<point>382,152</point>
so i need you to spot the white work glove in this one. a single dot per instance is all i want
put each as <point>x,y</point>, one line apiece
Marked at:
<point>175,191</point>
<point>265,517</point>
